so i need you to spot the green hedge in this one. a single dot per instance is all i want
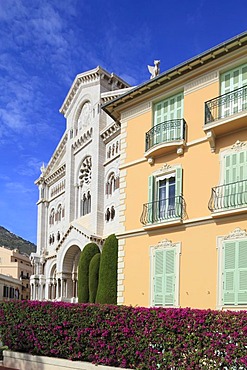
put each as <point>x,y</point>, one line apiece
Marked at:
<point>94,277</point>
<point>107,288</point>
<point>83,271</point>
<point>134,338</point>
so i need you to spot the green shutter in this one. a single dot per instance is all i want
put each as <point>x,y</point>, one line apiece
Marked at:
<point>159,277</point>
<point>164,277</point>
<point>151,204</point>
<point>178,192</point>
<point>166,110</point>
<point>169,296</point>
<point>229,267</point>
<point>230,81</point>
<point>242,272</point>
<point>235,272</point>
<point>235,175</point>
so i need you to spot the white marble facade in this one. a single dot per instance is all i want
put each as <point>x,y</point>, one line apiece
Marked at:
<point>79,188</point>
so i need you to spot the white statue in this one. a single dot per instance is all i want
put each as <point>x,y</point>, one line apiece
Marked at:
<point>154,70</point>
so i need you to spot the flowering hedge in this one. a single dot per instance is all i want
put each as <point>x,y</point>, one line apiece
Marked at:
<point>136,338</point>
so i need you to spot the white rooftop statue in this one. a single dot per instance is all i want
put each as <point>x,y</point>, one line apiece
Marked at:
<point>154,70</point>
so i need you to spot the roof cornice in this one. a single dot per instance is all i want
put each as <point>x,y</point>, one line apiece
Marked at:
<point>182,69</point>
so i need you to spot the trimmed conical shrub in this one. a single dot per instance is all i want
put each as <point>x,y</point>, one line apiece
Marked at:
<point>83,271</point>
<point>107,288</point>
<point>94,277</point>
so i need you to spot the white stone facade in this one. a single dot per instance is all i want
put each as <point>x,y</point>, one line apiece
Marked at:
<point>79,188</point>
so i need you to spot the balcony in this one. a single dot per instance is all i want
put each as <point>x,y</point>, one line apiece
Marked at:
<point>165,137</point>
<point>163,211</point>
<point>229,198</point>
<point>227,112</point>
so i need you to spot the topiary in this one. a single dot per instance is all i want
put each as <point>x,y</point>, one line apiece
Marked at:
<point>107,287</point>
<point>83,271</point>
<point>94,277</point>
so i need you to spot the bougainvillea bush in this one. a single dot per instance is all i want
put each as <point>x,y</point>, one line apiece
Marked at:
<point>127,337</point>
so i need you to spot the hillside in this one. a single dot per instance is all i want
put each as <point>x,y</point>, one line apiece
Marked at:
<point>12,241</point>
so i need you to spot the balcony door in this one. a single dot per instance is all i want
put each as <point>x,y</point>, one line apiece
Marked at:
<point>235,99</point>
<point>166,113</point>
<point>166,197</point>
<point>235,179</point>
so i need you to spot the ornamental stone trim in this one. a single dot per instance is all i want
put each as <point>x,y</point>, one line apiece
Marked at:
<point>55,176</point>
<point>137,111</point>
<point>201,82</point>
<point>237,233</point>
<point>239,145</point>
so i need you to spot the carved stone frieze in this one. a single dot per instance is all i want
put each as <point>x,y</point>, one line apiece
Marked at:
<point>83,139</point>
<point>239,145</point>
<point>236,234</point>
<point>164,244</point>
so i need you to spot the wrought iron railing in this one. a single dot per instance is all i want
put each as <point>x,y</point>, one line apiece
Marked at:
<point>228,196</point>
<point>226,105</point>
<point>162,210</point>
<point>166,132</point>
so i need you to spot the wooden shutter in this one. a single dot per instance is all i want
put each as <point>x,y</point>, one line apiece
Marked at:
<point>159,277</point>
<point>169,277</point>
<point>164,277</point>
<point>235,175</point>
<point>229,267</point>
<point>242,272</point>
<point>178,192</point>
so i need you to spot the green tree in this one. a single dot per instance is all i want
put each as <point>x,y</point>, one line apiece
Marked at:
<point>107,287</point>
<point>83,271</point>
<point>94,277</point>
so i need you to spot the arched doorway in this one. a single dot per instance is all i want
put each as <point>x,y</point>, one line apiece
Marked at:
<point>69,274</point>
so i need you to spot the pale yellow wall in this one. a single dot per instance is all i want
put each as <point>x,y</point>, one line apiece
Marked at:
<point>198,264</point>
<point>136,129</point>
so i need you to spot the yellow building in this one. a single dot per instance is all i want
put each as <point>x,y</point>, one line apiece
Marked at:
<point>183,184</point>
<point>18,266</point>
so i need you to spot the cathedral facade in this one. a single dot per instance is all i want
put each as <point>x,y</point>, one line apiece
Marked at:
<point>79,188</point>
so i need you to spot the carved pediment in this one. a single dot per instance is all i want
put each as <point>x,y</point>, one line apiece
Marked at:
<point>236,234</point>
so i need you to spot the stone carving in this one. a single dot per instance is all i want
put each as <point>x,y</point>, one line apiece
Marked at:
<point>236,234</point>
<point>154,70</point>
<point>85,117</point>
<point>239,145</point>
<point>165,167</point>
<point>86,170</point>
<point>165,244</point>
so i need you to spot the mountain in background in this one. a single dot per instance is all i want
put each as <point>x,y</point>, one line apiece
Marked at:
<point>12,241</point>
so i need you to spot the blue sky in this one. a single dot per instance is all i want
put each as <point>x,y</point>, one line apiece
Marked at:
<point>45,43</point>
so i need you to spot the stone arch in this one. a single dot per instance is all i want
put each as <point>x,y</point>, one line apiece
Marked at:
<point>83,114</point>
<point>68,275</point>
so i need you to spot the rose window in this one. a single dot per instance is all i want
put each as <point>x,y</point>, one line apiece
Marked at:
<point>86,171</point>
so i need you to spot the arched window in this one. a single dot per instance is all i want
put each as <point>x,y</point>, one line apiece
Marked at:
<point>86,204</point>
<point>52,217</point>
<point>59,212</point>
<point>112,183</point>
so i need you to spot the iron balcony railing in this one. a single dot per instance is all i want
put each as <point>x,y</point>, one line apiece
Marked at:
<point>228,196</point>
<point>226,105</point>
<point>162,210</point>
<point>166,132</point>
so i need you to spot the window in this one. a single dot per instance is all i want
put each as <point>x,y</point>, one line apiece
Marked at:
<point>235,179</point>
<point>164,274</point>
<point>52,217</point>
<point>233,80</point>
<point>233,268</point>
<point>168,121</point>
<point>86,204</point>
<point>165,196</point>
<point>112,184</point>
